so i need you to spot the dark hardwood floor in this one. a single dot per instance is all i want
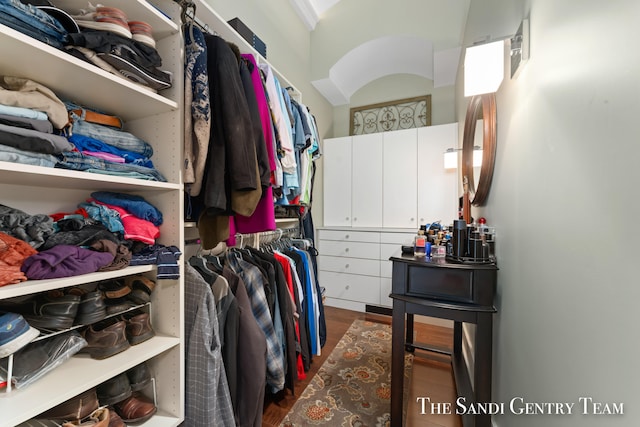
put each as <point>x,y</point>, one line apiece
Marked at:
<point>431,374</point>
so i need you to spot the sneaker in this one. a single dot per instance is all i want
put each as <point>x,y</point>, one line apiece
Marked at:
<point>142,32</point>
<point>158,79</point>
<point>107,19</point>
<point>15,333</point>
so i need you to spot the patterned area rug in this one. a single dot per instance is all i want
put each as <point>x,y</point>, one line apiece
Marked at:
<point>353,386</point>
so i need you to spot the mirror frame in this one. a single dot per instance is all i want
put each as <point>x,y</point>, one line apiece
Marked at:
<point>480,106</point>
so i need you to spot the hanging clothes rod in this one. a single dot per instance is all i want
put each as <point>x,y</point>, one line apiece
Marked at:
<point>263,237</point>
<point>189,15</point>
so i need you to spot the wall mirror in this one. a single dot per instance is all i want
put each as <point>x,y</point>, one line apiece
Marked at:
<point>480,112</point>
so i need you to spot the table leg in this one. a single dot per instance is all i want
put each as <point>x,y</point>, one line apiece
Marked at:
<point>457,338</point>
<point>397,361</point>
<point>482,371</point>
<point>409,334</point>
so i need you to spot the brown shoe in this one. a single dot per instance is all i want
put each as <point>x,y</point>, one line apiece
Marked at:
<point>136,409</point>
<point>75,408</point>
<point>114,418</point>
<point>98,418</point>
<point>105,338</point>
<point>138,327</point>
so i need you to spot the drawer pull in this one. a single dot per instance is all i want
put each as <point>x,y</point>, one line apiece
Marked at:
<point>346,266</point>
<point>346,250</point>
<point>346,236</point>
<point>346,287</point>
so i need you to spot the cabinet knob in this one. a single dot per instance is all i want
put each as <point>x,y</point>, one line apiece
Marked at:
<point>346,266</point>
<point>346,287</point>
<point>412,219</point>
<point>346,250</point>
<point>355,219</point>
<point>346,236</point>
<point>421,219</point>
<point>347,218</point>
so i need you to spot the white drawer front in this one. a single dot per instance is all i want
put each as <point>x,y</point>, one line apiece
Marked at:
<point>352,287</point>
<point>385,290</point>
<point>398,238</point>
<point>385,269</point>
<point>349,235</point>
<point>349,249</point>
<point>387,250</point>
<point>368,267</point>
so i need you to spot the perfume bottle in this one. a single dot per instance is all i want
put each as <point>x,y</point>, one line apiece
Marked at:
<point>420,244</point>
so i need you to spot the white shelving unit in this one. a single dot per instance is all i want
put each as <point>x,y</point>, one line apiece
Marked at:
<point>154,117</point>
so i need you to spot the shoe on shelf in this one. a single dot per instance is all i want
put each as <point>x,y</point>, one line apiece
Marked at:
<point>139,376</point>
<point>15,333</point>
<point>142,32</point>
<point>53,310</point>
<point>114,418</point>
<point>141,288</point>
<point>136,409</point>
<point>116,306</point>
<point>105,338</point>
<point>114,390</point>
<point>92,307</point>
<point>98,418</point>
<point>114,289</point>
<point>138,327</point>
<point>75,408</point>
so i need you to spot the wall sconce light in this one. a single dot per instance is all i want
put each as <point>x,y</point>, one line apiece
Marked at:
<point>483,68</point>
<point>519,47</point>
<point>451,157</point>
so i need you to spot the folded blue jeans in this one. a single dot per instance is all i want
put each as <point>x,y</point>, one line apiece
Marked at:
<point>77,161</point>
<point>33,22</point>
<point>119,139</point>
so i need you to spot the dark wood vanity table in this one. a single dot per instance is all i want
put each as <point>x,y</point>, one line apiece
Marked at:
<point>460,292</point>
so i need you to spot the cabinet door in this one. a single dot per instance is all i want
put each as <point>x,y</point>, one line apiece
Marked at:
<point>337,181</point>
<point>400,182</point>
<point>438,187</point>
<point>366,186</point>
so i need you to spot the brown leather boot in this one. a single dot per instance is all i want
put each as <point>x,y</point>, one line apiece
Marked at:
<point>136,409</point>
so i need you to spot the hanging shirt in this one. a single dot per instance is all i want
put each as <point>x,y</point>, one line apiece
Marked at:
<point>254,283</point>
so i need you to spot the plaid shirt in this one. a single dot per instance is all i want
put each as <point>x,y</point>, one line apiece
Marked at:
<point>254,281</point>
<point>207,399</point>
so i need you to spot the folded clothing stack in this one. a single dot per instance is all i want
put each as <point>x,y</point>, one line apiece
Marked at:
<point>120,46</point>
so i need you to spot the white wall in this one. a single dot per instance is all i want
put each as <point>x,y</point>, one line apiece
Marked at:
<point>564,201</point>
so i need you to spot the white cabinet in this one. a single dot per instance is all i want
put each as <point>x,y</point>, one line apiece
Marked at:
<point>390,179</point>
<point>400,179</point>
<point>349,267</point>
<point>366,180</point>
<point>437,187</point>
<point>336,160</point>
<point>154,117</point>
<point>354,266</point>
<point>352,181</point>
